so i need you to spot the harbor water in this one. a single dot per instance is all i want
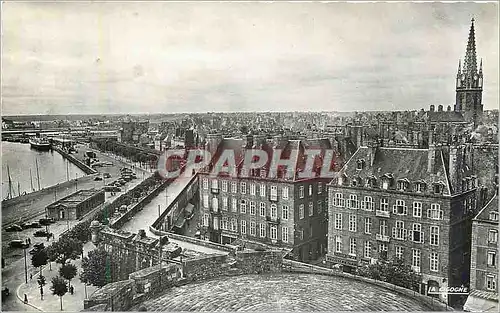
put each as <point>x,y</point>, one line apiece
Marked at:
<point>21,159</point>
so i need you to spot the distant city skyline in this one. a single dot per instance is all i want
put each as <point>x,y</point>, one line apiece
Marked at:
<point>137,58</point>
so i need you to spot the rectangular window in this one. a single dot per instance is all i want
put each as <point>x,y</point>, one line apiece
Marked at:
<point>339,200</point>
<point>205,201</point>
<point>205,183</point>
<point>492,258</point>
<point>284,234</point>
<point>384,204</point>
<point>383,227</point>
<point>311,209</point>
<point>262,190</point>
<point>417,209</point>
<point>234,188</point>
<point>301,192</point>
<point>234,205</point>
<point>353,202</point>
<point>274,193</point>
<point>216,223</point>
<point>416,258</point>
<point>262,230</point>
<point>400,208</point>
<point>301,211</point>
<point>434,262</point>
<point>491,282</point>
<point>274,210</point>
<point>285,192</point>
<point>243,206</point>
<point>399,231</point>
<point>416,234</point>
<point>215,184</point>
<point>252,207</point>
<point>284,212</point>
<point>252,228</point>
<point>338,244</point>
<point>352,246</point>
<point>253,189</point>
<point>320,188</point>
<point>352,223</point>
<point>382,248</point>
<point>224,223</point>
<point>262,209</point>
<point>367,204</point>
<point>368,249</point>
<point>206,219</point>
<point>224,203</point>
<point>234,225</point>
<point>320,206</point>
<point>224,185</point>
<point>434,235</point>
<point>243,188</point>
<point>399,252</point>
<point>243,224</point>
<point>310,190</point>
<point>273,230</point>
<point>338,220</point>
<point>301,234</point>
<point>368,225</point>
<point>493,236</point>
<point>435,212</point>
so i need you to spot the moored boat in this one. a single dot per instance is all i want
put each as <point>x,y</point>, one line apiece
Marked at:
<point>40,144</point>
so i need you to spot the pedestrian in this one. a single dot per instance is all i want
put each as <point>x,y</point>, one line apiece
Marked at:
<point>25,298</point>
<point>71,290</point>
<point>31,276</point>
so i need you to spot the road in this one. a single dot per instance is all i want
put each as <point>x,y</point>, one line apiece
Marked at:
<point>13,273</point>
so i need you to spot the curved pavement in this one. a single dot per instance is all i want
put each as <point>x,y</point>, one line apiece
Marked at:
<point>282,292</point>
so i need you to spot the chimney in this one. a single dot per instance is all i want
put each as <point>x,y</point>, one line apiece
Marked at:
<point>454,166</point>
<point>431,159</point>
<point>431,108</point>
<point>372,151</point>
<point>448,108</point>
<point>440,108</point>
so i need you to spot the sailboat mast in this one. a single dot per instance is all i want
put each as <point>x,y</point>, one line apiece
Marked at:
<point>37,174</point>
<point>31,181</point>
<point>10,184</point>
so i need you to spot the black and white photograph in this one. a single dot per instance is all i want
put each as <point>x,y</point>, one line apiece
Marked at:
<point>259,156</point>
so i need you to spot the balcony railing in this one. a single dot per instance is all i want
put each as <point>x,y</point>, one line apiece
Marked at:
<point>276,220</point>
<point>382,213</point>
<point>383,238</point>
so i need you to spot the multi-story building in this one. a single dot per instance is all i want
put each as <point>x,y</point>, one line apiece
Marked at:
<point>412,204</point>
<point>283,211</point>
<point>484,260</point>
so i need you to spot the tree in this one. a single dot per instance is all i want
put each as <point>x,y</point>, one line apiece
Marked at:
<point>59,288</point>
<point>41,282</point>
<point>39,258</point>
<point>96,268</point>
<point>395,271</point>
<point>67,248</point>
<point>68,271</point>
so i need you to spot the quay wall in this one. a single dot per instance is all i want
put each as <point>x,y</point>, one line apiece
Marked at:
<point>84,167</point>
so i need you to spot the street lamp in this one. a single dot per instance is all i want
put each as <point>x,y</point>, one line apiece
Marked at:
<point>25,265</point>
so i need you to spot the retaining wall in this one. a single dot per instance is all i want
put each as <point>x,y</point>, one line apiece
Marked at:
<point>192,240</point>
<point>432,303</point>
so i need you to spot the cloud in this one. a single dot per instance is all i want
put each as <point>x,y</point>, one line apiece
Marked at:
<point>179,57</point>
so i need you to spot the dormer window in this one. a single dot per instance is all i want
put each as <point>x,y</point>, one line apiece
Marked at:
<point>360,164</point>
<point>437,188</point>
<point>342,179</point>
<point>371,182</point>
<point>354,183</point>
<point>419,186</point>
<point>403,184</point>
<point>494,216</point>
<point>387,181</point>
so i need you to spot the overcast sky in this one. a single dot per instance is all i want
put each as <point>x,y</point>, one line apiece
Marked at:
<point>63,58</point>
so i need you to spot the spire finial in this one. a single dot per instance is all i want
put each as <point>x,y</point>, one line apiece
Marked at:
<point>481,66</point>
<point>470,65</point>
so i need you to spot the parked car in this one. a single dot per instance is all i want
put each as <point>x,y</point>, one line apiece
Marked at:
<point>18,243</point>
<point>46,221</point>
<point>127,178</point>
<point>111,188</point>
<point>34,225</point>
<point>121,182</point>
<point>106,175</point>
<point>98,178</point>
<point>42,233</point>
<point>14,228</point>
<point>37,246</point>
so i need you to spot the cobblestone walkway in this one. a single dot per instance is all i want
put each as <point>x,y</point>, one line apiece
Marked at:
<point>287,292</point>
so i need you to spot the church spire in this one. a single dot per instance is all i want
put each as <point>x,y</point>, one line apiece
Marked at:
<point>481,67</point>
<point>470,62</point>
<point>459,72</point>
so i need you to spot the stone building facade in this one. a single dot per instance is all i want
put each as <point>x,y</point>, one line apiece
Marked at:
<point>414,204</point>
<point>76,205</point>
<point>281,211</point>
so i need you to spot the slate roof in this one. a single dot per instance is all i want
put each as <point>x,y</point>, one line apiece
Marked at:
<point>446,116</point>
<point>401,163</point>
<point>490,206</point>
